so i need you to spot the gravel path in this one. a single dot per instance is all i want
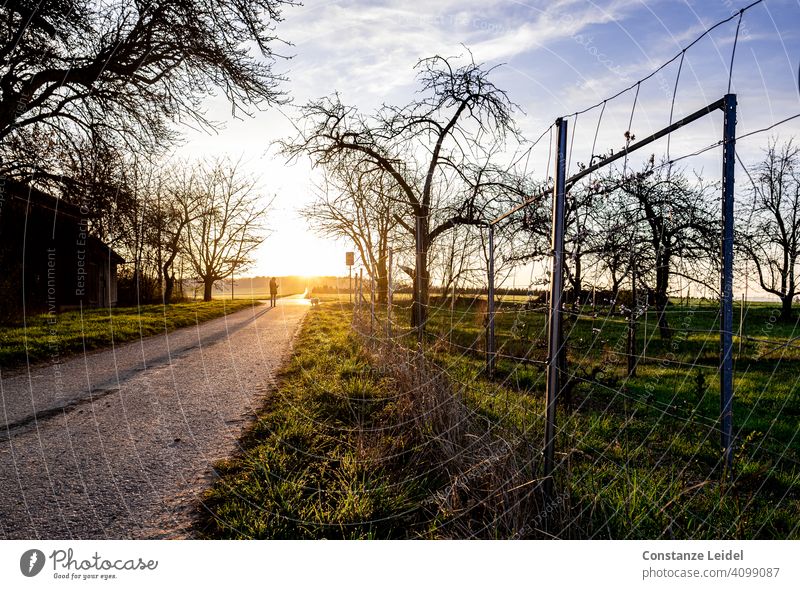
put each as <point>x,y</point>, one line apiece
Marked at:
<point>119,443</point>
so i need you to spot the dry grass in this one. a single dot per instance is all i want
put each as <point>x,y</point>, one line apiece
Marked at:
<point>490,487</point>
<point>365,439</point>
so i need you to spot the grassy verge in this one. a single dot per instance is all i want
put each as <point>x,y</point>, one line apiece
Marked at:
<point>308,469</point>
<point>45,337</point>
<point>361,442</point>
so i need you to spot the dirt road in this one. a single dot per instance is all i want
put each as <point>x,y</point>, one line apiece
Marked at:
<point>119,443</point>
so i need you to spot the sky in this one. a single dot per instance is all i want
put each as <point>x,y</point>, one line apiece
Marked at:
<point>555,58</point>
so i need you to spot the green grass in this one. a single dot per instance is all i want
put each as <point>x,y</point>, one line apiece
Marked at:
<point>309,468</point>
<point>50,337</point>
<point>637,457</point>
<point>640,456</point>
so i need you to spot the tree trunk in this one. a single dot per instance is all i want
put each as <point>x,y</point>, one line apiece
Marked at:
<point>208,285</point>
<point>786,308</point>
<point>577,283</point>
<point>382,282</point>
<point>169,283</point>
<point>661,296</point>
<point>169,288</point>
<point>661,301</point>
<point>615,282</point>
<point>420,298</point>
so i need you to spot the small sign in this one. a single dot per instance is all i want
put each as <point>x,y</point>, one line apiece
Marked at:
<point>350,258</point>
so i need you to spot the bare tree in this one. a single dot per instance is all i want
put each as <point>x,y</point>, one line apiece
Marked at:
<point>615,240</point>
<point>121,197</point>
<point>676,221</point>
<point>456,267</point>
<point>580,203</point>
<point>533,224</point>
<point>358,204</point>
<point>770,235</point>
<point>104,180</point>
<point>138,205</point>
<point>125,70</point>
<point>441,151</point>
<point>179,205</point>
<point>224,226</point>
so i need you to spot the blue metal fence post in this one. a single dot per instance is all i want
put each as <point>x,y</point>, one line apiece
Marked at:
<point>555,341</point>
<point>389,294</point>
<point>726,319</point>
<point>490,342</point>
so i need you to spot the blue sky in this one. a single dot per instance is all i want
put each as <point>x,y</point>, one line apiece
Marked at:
<point>559,57</point>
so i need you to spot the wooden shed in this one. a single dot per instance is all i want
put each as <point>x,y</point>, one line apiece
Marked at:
<point>49,261</point>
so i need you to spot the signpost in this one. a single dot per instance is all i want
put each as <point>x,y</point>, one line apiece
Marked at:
<point>349,259</point>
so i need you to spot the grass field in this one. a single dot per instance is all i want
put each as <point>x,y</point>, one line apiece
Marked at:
<point>640,456</point>
<point>46,337</point>
<point>637,457</point>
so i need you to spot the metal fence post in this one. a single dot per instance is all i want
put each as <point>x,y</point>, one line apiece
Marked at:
<point>726,319</point>
<point>418,311</point>
<point>360,290</point>
<point>372,302</point>
<point>389,293</point>
<point>490,342</point>
<point>554,339</point>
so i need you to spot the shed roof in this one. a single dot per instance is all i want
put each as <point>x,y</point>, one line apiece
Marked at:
<point>63,210</point>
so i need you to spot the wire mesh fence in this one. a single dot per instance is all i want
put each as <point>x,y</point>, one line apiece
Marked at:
<point>568,319</point>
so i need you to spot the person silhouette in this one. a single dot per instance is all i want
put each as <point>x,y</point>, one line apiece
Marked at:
<point>273,292</point>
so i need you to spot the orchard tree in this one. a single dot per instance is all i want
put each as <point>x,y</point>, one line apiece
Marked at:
<point>442,152</point>
<point>358,203</point>
<point>180,204</point>
<point>770,227</point>
<point>676,221</point>
<point>615,240</point>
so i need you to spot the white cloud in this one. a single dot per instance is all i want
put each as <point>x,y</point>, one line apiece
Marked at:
<point>370,48</point>
<point>366,51</point>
